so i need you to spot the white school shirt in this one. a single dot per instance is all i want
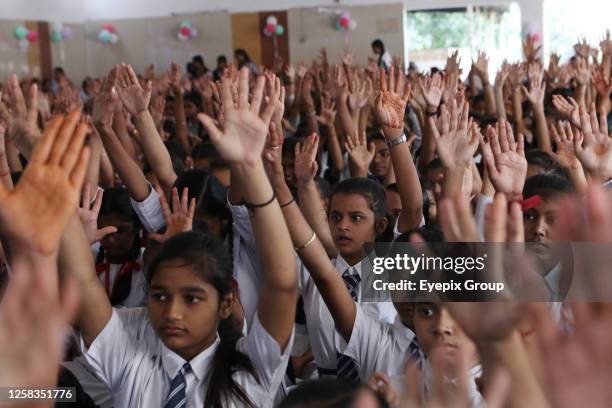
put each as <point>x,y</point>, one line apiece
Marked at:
<point>377,346</point>
<point>319,322</point>
<point>149,211</point>
<point>138,368</point>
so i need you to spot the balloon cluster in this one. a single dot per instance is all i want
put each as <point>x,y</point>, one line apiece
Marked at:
<point>345,22</point>
<point>186,31</point>
<point>22,33</point>
<point>272,27</point>
<point>59,32</point>
<point>108,34</point>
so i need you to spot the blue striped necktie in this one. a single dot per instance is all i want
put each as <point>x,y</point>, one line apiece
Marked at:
<point>177,397</point>
<point>346,365</point>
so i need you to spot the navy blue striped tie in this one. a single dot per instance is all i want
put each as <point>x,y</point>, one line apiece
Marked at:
<point>346,365</point>
<point>177,397</point>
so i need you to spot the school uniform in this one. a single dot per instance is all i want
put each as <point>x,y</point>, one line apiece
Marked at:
<point>141,371</point>
<point>149,211</point>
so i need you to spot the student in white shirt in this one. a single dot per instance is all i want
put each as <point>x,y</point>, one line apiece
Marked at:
<point>384,58</point>
<point>142,354</point>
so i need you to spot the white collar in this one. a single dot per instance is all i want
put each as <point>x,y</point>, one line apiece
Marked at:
<point>553,278</point>
<point>402,334</point>
<point>342,266</point>
<point>200,364</point>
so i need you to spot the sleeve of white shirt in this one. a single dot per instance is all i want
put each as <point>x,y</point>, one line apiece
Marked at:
<point>242,223</point>
<point>150,211</point>
<point>481,206</point>
<point>117,347</point>
<point>368,339</point>
<point>265,354</point>
<point>396,231</point>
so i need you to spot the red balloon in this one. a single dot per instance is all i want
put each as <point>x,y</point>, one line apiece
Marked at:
<point>345,22</point>
<point>186,31</point>
<point>32,36</point>
<point>109,27</point>
<point>271,28</point>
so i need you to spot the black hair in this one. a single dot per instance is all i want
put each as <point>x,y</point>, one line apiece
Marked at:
<point>204,150</point>
<point>326,393</point>
<point>222,58</point>
<point>289,146</point>
<point>198,58</point>
<point>377,43</point>
<point>324,188</point>
<point>547,186</point>
<point>435,164</point>
<point>376,136</point>
<point>242,52</point>
<point>58,70</point>
<point>195,98</point>
<point>177,155</point>
<point>212,263</point>
<point>537,157</point>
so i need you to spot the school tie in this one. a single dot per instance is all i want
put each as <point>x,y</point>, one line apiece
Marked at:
<point>345,364</point>
<point>176,397</point>
<point>416,353</point>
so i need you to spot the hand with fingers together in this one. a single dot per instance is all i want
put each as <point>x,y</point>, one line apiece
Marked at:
<point>390,105</point>
<point>54,176</point>
<point>306,166</point>
<point>360,153</point>
<point>135,98</point>
<point>88,213</point>
<point>178,219</point>
<point>504,157</point>
<point>243,136</point>
<point>593,144</point>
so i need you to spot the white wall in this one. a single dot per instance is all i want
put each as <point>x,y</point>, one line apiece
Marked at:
<point>68,11</point>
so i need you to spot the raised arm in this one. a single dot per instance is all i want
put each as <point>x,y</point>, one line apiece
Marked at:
<point>135,99</point>
<point>389,113</point>
<point>182,132</point>
<point>241,144</point>
<point>535,96</point>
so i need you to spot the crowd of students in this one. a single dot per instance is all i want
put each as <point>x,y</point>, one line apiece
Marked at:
<point>201,235</point>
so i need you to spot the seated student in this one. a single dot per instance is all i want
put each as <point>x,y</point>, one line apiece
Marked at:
<point>180,349</point>
<point>119,255</point>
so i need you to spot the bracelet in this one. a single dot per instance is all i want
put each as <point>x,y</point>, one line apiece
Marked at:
<point>307,244</point>
<point>288,203</point>
<point>251,206</point>
<point>398,141</point>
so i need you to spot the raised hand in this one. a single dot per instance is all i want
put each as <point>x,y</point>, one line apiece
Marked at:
<point>390,106</point>
<point>328,111</point>
<point>135,98</point>
<point>530,50</point>
<point>180,218</point>
<point>157,108</point>
<point>452,64</point>
<point>565,155</point>
<point>360,153</point>
<point>455,143</point>
<point>481,66</point>
<point>537,88</point>
<point>306,159</point>
<point>23,128</point>
<point>431,89</point>
<point>504,157</point>
<point>54,176</point>
<point>244,134</point>
<point>569,109</point>
<point>88,213</point>
<point>358,97</point>
<point>603,83</point>
<point>106,101</point>
<point>583,49</point>
<point>582,71</point>
<point>593,145</point>
<point>174,77</point>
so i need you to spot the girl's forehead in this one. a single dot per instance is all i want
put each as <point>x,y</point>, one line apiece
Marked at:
<point>349,202</point>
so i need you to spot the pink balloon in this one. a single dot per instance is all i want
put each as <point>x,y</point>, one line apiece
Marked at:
<point>109,27</point>
<point>32,36</point>
<point>536,37</point>
<point>345,22</point>
<point>271,28</point>
<point>186,31</point>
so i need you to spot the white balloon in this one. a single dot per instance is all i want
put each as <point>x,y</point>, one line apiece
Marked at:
<point>272,20</point>
<point>353,25</point>
<point>181,37</point>
<point>57,27</point>
<point>114,39</point>
<point>24,44</point>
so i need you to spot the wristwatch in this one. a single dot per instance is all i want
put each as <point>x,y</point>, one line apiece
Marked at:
<point>398,141</point>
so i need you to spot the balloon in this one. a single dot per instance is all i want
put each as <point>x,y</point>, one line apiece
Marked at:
<point>23,44</point>
<point>344,22</point>
<point>109,27</point>
<point>280,30</point>
<point>104,36</point>
<point>271,28</point>
<point>181,37</point>
<point>267,33</point>
<point>56,27</point>
<point>56,37</point>
<point>272,20</point>
<point>185,31</point>
<point>21,32</point>
<point>32,36</point>
<point>339,26</point>
<point>114,38</point>
<point>193,33</point>
<point>67,32</point>
<point>353,25</point>
<point>186,23</point>
<point>345,14</point>
<point>536,38</point>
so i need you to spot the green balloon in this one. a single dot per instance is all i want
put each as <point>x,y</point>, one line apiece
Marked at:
<point>185,23</point>
<point>280,30</point>
<point>21,32</point>
<point>56,37</point>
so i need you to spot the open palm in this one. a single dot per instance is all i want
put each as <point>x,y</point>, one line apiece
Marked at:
<point>593,145</point>
<point>391,102</point>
